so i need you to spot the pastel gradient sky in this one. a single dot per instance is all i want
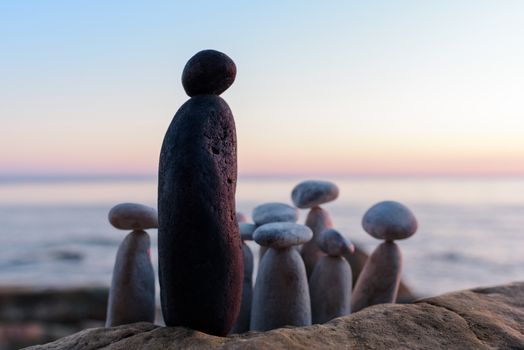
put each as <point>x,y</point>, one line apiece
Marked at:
<point>323,87</point>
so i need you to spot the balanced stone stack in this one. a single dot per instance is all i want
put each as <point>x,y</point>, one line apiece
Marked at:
<point>246,233</point>
<point>273,212</point>
<point>281,295</point>
<point>310,195</point>
<point>199,245</point>
<point>331,281</point>
<point>379,280</point>
<point>132,293</point>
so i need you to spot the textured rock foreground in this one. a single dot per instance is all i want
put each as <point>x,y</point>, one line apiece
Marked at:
<point>482,318</point>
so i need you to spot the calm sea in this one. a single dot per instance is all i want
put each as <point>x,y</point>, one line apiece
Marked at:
<point>56,233</point>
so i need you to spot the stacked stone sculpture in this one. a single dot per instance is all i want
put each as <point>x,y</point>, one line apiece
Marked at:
<point>199,245</point>
<point>331,281</point>
<point>281,295</point>
<point>132,292</point>
<point>310,195</point>
<point>273,212</point>
<point>246,233</point>
<point>379,280</point>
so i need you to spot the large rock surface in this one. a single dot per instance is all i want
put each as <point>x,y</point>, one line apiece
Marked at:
<point>482,318</point>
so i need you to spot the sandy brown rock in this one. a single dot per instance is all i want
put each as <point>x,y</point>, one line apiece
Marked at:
<point>482,318</point>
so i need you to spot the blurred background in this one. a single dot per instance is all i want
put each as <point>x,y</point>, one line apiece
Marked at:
<point>411,101</point>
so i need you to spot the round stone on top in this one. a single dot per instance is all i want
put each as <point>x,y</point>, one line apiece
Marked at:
<point>333,243</point>
<point>389,220</point>
<point>133,216</point>
<point>274,212</point>
<point>208,72</point>
<point>280,235</point>
<point>312,193</point>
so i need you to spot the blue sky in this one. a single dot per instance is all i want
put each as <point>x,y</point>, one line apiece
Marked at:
<point>322,87</point>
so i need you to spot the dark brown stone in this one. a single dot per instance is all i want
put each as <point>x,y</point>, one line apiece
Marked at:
<point>244,316</point>
<point>199,246</point>
<point>208,72</point>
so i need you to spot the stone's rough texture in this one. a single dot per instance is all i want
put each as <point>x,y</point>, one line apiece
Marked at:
<point>330,289</point>
<point>333,243</point>
<point>241,217</point>
<point>379,280</point>
<point>199,246</point>
<point>132,293</point>
<point>274,212</point>
<point>246,231</point>
<point>133,216</point>
<point>242,323</point>
<point>281,295</point>
<point>280,235</point>
<point>208,72</point>
<point>389,220</point>
<point>309,194</point>
<point>317,220</point>
<point>482,318</point>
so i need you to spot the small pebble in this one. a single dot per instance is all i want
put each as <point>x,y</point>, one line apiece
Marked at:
<point>334,244</point>
<point>280,235</point>
<point>274,212</point>
<point>389,220</point>
<point>208,72</point>
<point>312,193</point>
<point>133,216</point>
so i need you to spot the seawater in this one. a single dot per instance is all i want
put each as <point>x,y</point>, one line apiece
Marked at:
<point>56,233</point>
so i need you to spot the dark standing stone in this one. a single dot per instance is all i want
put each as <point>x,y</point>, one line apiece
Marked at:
<point>132,293</point>
<point>199,246</point>
<point>208,72</point>
<point>243,320</point>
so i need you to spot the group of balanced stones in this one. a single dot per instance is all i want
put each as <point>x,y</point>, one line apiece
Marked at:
<point>205,267</point>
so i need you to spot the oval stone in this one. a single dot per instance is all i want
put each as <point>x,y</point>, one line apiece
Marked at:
<point>274,212</point>
<point>133,216</point>
<point>199,247</point>
<point>389,220</point>
<point>208,72</point>
<point>280,235</point>
<point>334,244</point>
<point>311,193</point>
<point>246,231</point>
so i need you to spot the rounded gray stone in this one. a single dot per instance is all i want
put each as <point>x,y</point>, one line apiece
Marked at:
<point>389,220</point>
<point>281,294</point>
<point>208,72</point>
<point>333,243</point>
<point>274,212</point>
<point>133,216</point>
<point>379,280</point>
<point>311,193</point>
<point>280,235</point>
<point>330,289</point>
<point>132,292</point>
<point>246,231</point>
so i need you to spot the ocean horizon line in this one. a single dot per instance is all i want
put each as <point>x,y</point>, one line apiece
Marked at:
<point>104,177</point>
